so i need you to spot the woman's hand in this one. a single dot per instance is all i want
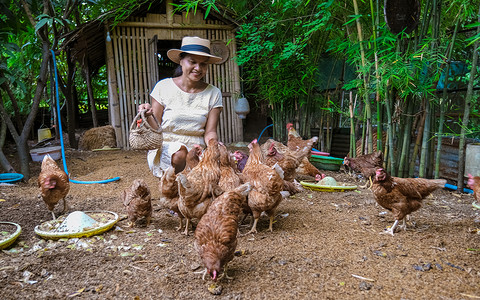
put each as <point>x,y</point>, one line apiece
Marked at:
<point>146,106</point>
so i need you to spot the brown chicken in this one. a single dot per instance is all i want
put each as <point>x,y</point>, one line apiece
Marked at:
<point>365,164</point>
<point>267,183</point>
<point>137,201</point>
<point>474,183</point>
<point>197,188</point>
<point>295,141</point>
<point>216,232</point>
<point>53,183</point>
<point>169,193</point>
<point>289,162</point>
<point>402,196</point>
<point>305,167</point>
<point>229,179</point>
<point>193,157</point>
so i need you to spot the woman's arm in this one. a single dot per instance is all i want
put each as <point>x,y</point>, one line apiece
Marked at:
<point>212,123</point>
<point>156,109</point>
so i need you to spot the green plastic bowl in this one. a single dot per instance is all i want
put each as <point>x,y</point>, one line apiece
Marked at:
<point>326,162</point>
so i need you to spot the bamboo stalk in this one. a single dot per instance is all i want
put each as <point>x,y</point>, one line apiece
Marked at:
<point>443,99</point>
<point>391,167</point>
<point>406,141</point>
<point>411,169</point>
<point>352,127</point>
<point>466,114</point>
<point>368,109</point>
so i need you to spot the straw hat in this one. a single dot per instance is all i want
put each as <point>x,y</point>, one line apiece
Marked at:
<point>193,45</point>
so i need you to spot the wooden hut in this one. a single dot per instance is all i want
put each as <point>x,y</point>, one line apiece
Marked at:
<point>135,55</point>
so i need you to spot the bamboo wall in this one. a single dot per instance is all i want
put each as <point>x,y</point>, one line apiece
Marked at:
<point>136,67</point>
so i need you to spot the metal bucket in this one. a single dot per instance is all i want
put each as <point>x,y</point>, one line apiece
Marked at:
<point>43,134</point>
<point>472,159</point>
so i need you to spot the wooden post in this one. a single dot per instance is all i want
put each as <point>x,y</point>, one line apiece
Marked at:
<point>113,101</point>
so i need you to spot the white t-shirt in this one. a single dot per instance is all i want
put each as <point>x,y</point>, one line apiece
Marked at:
<point>184,119</point>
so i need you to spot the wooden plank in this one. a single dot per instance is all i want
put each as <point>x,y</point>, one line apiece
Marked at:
<point>120,80</point>
<point>135,56</point>
<point>180,26</point>
<point>235,71</point>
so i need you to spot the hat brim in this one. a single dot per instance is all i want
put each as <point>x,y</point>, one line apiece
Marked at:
<point>174,55</point>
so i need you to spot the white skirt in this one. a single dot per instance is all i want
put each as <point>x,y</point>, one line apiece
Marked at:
<point>160,159</point>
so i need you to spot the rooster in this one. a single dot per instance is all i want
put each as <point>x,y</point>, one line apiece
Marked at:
<point>53,183</point>
<point>137,202</point>
<point>402,196</point>
<point>216,232</point>
<point>197,188</point>
<point>267,183</point>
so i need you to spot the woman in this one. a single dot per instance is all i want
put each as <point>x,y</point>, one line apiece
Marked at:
<point>187,108</point>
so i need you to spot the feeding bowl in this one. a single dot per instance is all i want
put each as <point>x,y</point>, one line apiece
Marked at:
<point>77,224</point>
<point>327,184</point>
<point>9,232</point>
<point>39,153</point>
<point>326,162</point>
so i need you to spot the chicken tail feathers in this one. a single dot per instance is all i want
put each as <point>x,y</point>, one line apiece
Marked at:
<point>439,183</point>
<point>278,169</point>
<point>244,189</point>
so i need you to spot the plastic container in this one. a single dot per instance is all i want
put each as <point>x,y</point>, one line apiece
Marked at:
<point>472,159</point>
<point>326,162</point>
<point>38,154</point>
<point>43,134</point>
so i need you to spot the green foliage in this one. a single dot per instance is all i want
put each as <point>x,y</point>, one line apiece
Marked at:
<point>278,49</point>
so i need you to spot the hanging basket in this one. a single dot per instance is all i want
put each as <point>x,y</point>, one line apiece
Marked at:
<point>143,136</point>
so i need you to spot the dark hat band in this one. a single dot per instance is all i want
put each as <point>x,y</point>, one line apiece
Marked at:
<point>199,48</point>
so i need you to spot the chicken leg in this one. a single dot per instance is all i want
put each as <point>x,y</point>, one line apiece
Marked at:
<point>270,227</point>
<point>185,232</point>
<point>390,230</point>
<point>254,227</point>
<point>65,206</point>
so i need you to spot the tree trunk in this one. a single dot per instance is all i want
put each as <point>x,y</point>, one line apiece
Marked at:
<point>466,114</point>
<point>3,159</point>
<point>91,99</point>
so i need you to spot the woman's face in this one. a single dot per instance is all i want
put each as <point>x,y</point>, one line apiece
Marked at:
<point>194,67</point>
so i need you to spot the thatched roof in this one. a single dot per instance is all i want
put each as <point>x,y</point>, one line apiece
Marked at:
<point>87,43</point>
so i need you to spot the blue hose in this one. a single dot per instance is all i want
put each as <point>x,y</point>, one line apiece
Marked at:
<point>263,131</point>
<point>454,187</point>
<point>61,134</point>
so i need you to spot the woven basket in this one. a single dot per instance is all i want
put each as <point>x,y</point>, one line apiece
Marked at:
<point>142,136</point>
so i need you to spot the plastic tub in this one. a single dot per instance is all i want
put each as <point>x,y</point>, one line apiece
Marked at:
<point>326,162</point>
<point>38,154</point>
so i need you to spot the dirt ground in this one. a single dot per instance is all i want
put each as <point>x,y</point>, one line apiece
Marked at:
<point>324,246</point>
